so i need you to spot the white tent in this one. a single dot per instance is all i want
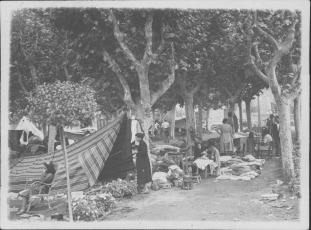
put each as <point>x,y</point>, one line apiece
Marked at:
<point>27,126</point>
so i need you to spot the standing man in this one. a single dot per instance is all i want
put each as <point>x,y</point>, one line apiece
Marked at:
<point>270,123</point>
<point>142,164</point>
<point>166,127</point>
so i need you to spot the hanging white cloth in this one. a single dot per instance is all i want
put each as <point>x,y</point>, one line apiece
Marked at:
<point>21,140</point>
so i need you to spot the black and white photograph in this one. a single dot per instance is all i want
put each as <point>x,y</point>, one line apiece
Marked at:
<point>155,114</point>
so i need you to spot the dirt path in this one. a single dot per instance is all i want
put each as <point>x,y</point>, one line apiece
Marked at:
<point>212,201</point>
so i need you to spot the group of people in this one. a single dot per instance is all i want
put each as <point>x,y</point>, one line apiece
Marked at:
<point>163,128</point>
<point>212,153</point>
<point>269,133</point>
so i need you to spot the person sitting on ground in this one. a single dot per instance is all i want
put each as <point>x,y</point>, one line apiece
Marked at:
<point>214,155</point>
<point>47,177</point>
<point>250,143</point>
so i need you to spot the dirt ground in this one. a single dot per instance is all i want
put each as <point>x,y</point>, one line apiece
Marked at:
<point>211,200</point>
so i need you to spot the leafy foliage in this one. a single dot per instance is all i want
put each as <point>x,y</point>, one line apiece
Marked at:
<point>92,207</point>
<point>120,188</point>
<point>61,103</point>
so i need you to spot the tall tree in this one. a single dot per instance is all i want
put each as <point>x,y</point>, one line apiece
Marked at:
<point>278,34</point>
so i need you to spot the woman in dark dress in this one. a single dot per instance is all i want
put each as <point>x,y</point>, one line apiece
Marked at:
<point>142,164</point>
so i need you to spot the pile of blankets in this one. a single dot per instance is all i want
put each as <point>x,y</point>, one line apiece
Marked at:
<point>164,156</point>
<point>165,166</point>
<point>174,176</point>
<point>236,168</point>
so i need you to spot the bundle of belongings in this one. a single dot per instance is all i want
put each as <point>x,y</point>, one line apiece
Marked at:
<point>164,156</point>
<point>236,168</point>
<point>166,166</point>
<point>173,177</point>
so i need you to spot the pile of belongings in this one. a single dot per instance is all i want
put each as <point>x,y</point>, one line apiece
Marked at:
<point>245,168</point>
<point>164,156</point>
<point>174,176</point>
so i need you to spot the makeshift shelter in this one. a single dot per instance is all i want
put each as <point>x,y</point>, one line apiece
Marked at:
<point>24,127</point>
<point>105,153</point>
<point>27,126</point>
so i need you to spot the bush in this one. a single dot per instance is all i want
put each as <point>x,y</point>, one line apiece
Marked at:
<point>92,207</point>
<point>120,188</point>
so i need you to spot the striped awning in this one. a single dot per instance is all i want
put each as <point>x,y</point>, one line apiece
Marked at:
<point>86,159</point>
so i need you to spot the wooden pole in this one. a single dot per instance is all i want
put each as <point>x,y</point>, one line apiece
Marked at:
<point>63,142</point>
<point>259,117</point>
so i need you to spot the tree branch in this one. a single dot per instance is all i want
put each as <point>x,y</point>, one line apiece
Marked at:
<point>161,46</point>
<point>259,73</point>
<point>296,76</point>
<point>238,92</point>
<point>289,38</point>
<point>21,84</point>
<point>168,82</point>
<point>257,55</point>
<point>195,89</point>
<point>148,34</point>
<point>120,38</point>
<point>115,67</point>
<point>250,61</point>
<point>225,89</point>
<point>264,34</point>
<point>295,90</point>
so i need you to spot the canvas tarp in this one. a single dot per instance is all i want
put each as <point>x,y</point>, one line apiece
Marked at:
<point>25,125</point>
<point>86,159</point>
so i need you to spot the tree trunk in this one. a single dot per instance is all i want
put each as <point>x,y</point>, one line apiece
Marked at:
<point>161,114</point>
<point>52,134</point>
<point>240,115</point>
<point>21,84</point>
<point>297,117</point>
<point>259,115</point>
<point>33,72</point>
<point>232,106</point>
<point>200,121</point>
<point>153,122</point>
<point>67,75</point>
<point>188,99</point>
<point>195,118</point>
<point>207,118</point>
<point>44,130</point>
<point>248,114</point>
<point>173,114</point>
<point>285,137</point>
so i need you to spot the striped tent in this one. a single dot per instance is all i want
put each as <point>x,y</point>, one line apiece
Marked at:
<point>107,150</point>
